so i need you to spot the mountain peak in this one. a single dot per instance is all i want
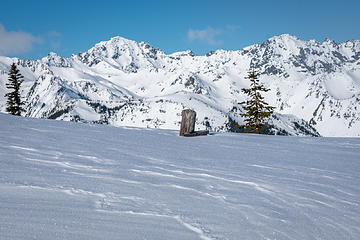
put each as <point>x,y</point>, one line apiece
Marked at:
<point>183,53</point>
<point>126,54</point>
<point>284,37</point>
<point>53,59</point>
<point>284,44</point>
<point>330,41</point>
<point>114,42</point>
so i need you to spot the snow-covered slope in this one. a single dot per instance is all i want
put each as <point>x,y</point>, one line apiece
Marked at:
<point>125,83</point>
<point>63,180</point>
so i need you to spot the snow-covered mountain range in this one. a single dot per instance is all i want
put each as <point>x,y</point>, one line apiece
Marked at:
<point>315,86</point>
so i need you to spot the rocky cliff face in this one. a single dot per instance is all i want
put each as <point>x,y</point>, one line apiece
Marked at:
<point>315,87</point>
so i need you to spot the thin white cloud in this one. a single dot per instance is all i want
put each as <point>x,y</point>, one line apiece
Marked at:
<point>233,27</point>
<point>207,35</point>
<point>12,42</point>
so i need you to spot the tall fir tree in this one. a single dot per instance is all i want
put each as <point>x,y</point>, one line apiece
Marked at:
<point>256,109</point>
<point>14,103</point>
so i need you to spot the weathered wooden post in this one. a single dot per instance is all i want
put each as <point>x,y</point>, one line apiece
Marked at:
<point>187,128</point>
<point>188,118</point>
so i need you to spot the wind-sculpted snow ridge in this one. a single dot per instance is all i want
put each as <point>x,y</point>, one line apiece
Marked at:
<point>315,86</point>
<point>61,180</point>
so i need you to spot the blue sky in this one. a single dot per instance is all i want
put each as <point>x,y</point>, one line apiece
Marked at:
<point>31,29</point>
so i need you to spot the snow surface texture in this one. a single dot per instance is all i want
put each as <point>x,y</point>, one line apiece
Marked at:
<point>125,83</point>
<point>63,180</point>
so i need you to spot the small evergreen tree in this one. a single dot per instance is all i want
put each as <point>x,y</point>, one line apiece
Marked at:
<point>14,102</point>
<point>256,109</point>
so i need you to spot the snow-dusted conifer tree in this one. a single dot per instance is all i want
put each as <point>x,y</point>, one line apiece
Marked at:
<point>14,102</point>
<point>256,109</point>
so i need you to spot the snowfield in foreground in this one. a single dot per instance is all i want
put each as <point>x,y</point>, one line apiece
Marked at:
<point>63,180</point>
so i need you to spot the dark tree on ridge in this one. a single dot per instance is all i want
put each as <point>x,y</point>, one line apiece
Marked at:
<point>14,103</point>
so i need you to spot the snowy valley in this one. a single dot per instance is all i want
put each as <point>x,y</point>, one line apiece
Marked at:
<point>65,180</point>
<point>315,86</point>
